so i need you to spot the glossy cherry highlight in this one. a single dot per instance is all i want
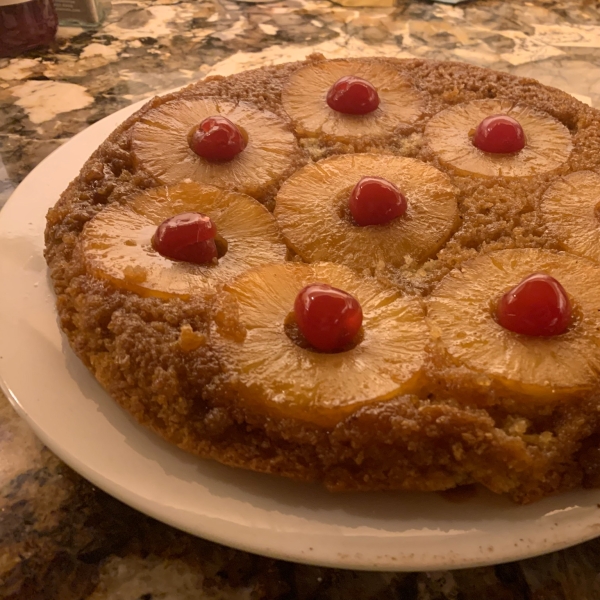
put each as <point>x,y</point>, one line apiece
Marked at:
<point>499,134</point>
<point>352,96</point>
<point>189,237</point>
<point>376,201</point>
<point>217,139</point>
<point>538,306</point>
<point>327,317</point>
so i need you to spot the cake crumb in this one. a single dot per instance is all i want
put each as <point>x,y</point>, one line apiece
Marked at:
<point>189,339</point>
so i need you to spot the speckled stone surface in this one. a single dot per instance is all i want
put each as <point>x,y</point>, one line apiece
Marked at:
<point>60,538</point>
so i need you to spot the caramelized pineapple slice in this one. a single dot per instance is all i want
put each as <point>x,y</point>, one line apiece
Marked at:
<point>304,99</point>
<point>461,314</point>
<point>311,208</point>
<point>571,208</point>
<point>117,242</point>
<point>160,146</point>
<point>547,141</point>
<point>272,374</point>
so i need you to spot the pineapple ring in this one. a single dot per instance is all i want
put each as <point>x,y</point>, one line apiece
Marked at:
<point>271,373</point>
<point>117,244</point>
<point>304,99</point>
<point>570,209</point>
<point>460,316</point>
<point>160,146</point>
<point>547,141</point>
<point>310,204</point>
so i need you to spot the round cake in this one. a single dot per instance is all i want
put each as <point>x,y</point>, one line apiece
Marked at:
<point>376,274</point>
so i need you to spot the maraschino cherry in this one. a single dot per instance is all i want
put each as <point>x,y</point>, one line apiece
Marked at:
<point>352,96</point>
<point>217,139</point>
<point>499,134</point>
<point>376,201</point>
<point>537,306</point>
<point>327,317</point>
<point>189,236</point>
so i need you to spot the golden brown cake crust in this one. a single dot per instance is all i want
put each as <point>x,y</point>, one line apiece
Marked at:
<point>155,358</point>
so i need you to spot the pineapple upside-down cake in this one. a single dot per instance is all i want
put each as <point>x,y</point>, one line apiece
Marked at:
<point>371,273</point>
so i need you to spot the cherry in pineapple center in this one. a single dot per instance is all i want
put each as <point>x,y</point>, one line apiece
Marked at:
<point>327,317</point>
<point>538,306</point>
<point>353,96</point>
<point>189,237</point>
<point>376,201</point>
<point>217,139</point>
<point>499,134</point>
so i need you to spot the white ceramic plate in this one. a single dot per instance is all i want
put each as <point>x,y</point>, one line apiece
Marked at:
<point>71,413</point>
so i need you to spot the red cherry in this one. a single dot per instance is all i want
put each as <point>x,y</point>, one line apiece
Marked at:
<point>537,306</point>
<point>499,134</point>
<point>189,236</point>
<point>217,139</point>
<point>327,317</point>
<point>353,96</point>
<point>376,201</point>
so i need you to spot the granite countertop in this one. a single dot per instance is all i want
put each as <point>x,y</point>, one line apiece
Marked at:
<point>63,539</point>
